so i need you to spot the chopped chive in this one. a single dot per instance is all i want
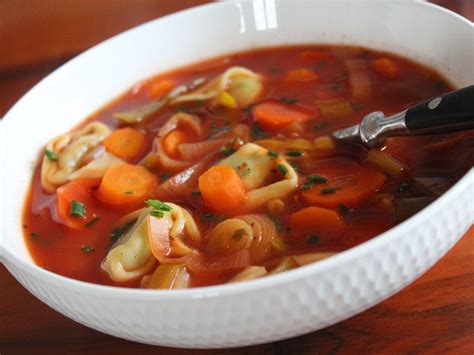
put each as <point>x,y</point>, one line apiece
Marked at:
<point>50,155</point>
<point>276,222</point>
<point>294,153</point>
<point>182,109</point>
<point>164,176</point>
<point>344,209</point>
<point>157,204</point>
<point>196,193</point>
<point>312,239</point>
<point>328,190</point>
<point>239,233</point>
<point>317,179</point>
<point>227,150</point>
<point>156,213</point>
<point>272,153</point>
<point>87,249</point>
<point>320,126</point>
<point>34,235</point>
<point>78,209</point>
<point>306,186</point>
<point>288,100</point>
<point>247,109</point>
<point>93,221</point>
<point>257,132</point>
<point>282,169</point>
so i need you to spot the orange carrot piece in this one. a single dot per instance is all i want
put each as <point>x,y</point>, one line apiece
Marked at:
<point>80,191</point>
<point>172,141</point>
<point>386,68</point>
<point>161,88</point>
<point>301,74</point>
<point>126,185</point>
<point>351,190</point>
<point>126,143</point>
<point>222,189</point>
<point>316,219</point>
<point>273,115</point>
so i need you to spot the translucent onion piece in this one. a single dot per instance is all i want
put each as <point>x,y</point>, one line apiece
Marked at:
<point>165,162</point>
<point>305,259</point>
<point>249,273</point>
<point>202,264</point>
<point>229,236</point>
<point>130,258</point>
<point>96,168</point>
<point>195,151</point>
<point>385,162</point>
<point>287,263</point>
<point>190,123</point>
<point>359,79</point>
<point>264,231</point>
<point>169,277</point>
<point>242,84</point>
<point>70,149</point>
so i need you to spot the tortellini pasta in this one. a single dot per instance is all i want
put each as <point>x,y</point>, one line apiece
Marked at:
<point>69,149</point>
<point>243,85</point>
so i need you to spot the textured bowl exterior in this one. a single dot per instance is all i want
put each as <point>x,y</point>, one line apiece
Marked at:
<point>273,308</point>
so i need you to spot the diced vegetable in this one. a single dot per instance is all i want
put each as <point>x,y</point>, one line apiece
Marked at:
<point>75,205</point>
<point>357,185</point>
<point>126,185</point>
<point>386,68</point>
<point>316,219</point>
<point>407,207</point>
<point>249,273</point>
<point>169,277</point>
<point>126,143</point>
<point>161,88</point>
<point>301,74</point>
<point>227,100</point>
<point>275,206</point>
<point>385,162</point>
<point>335,109</point>
<point>324,144</point>
<point>359,79</point>
<point>172,141</point>
<point>222,189</point>
<point>272,115</point>
<point>305,259</point>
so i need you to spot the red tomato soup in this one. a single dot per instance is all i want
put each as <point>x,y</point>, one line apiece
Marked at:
<point>224,171</point>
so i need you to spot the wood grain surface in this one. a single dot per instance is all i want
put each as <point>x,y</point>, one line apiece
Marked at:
<point>435,314</point>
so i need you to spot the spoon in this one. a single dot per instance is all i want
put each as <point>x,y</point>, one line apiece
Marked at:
<point>450,112</point>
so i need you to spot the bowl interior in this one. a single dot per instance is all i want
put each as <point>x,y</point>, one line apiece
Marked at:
<point>422,32</point>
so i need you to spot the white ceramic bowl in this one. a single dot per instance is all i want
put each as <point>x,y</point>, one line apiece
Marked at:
<point>277,307</point>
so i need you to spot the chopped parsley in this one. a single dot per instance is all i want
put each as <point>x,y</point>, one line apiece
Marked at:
<point>227,150</point>
<point>312,239</point>
<point>239,233</point>
<point>272,153</point>
<point>257,132</point>
<point>295,153</point>
<point>288,100</point>
<point>328,190</point>
<point>93,221</point>
<point>52,156</point>
<point>344,209</point>
<point>78,209</point>
<point>282,169</point>
<point>87,249</point>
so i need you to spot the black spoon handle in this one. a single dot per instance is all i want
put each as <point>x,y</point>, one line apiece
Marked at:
<point>450,112</point>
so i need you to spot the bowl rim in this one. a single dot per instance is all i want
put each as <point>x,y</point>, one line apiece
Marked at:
<point>235,288</point>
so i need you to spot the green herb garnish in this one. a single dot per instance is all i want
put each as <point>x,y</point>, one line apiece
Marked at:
<point>156,213</point>
<point>276,222</point>
<point>164,176</point>
<point>282,169</point>
<point>288,100</point>
<point>78,209</point>
<point>87,249</point>
<point>34,235</point>
<point>329,190</point>
<point>320,126</point>
<point>312,239</point>
<point>257,132</point>
<point>158,205</point>
<point>50,155</point>
<point>238,234</point>
<point>294,153</point>
<point>272,153</point>
<point>317,179</point>
<point>93,221</point>
<point>182,109</point>
<point>227,150</point>
<point>344,209</point>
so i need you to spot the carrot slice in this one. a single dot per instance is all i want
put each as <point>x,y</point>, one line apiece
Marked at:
<point>126,143</point>
<point>172,141</point>
<point>349,184</point>
<point>126,185</point>
<point>160,88</point>
<point>301,74</point>
<point>202,264</point>
<point>222,189</point>
<point>273,115</point>
<point>386,68</point>
<point>316,219</point>
<point>79,191</point>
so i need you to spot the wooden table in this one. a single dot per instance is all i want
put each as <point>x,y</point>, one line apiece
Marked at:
<point>434,314</point>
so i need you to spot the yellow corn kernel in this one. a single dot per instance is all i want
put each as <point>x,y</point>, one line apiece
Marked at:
<point>275,206</point>
<point>227,100</point>
<point>324,143</point>
<point>336,108</point>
